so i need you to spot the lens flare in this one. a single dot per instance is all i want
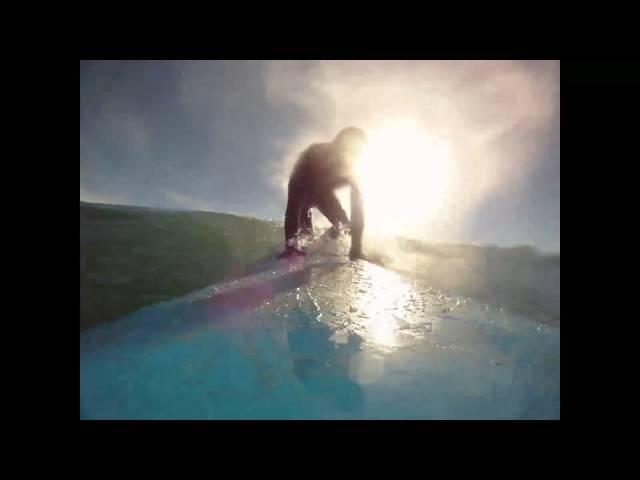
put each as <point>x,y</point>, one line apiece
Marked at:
<point>404,175</point>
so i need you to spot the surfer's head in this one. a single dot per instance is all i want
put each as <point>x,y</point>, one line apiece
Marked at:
<point>350,142</point>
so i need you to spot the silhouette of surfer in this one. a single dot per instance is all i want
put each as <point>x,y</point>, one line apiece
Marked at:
<point>320,170</point>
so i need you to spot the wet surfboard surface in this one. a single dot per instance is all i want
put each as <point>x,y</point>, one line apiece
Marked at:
<point>320,337</point>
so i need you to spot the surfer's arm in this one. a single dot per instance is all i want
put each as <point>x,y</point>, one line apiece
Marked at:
<point>357,220</point>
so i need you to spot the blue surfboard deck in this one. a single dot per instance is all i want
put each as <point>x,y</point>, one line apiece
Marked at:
<point>320,337</point>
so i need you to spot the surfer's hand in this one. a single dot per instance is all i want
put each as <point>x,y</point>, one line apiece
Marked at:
<point>355,253</point>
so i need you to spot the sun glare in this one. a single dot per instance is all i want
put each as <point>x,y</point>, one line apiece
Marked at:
<point>404,176</point>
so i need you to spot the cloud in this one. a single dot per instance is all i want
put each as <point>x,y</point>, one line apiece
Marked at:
<point>115,135</point>
<point>119,124</point>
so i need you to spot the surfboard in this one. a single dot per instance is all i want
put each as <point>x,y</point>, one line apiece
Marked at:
<point>320,337</point>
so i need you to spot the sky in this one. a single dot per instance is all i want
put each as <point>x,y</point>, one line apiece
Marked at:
<point>222,136</point>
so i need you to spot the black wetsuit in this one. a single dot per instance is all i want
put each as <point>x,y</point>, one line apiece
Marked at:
<point>316,176</point>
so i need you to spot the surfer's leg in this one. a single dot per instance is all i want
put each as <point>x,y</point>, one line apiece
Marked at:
<point>306,223</point>
<point>330,207</point>
<point>292,216</point>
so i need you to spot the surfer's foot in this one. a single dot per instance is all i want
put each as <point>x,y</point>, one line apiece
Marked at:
<point>291,252</point>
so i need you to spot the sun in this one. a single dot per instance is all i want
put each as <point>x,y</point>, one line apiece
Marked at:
<point>404,176</point>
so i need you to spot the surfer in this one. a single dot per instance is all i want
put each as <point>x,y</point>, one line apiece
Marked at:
<point>320,170</point>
